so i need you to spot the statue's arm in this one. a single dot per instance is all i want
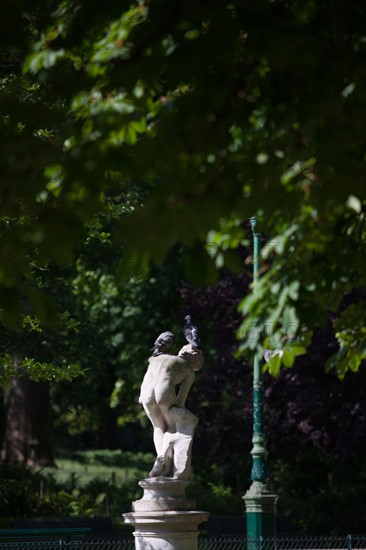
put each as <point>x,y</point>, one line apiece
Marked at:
<point>185,387</point>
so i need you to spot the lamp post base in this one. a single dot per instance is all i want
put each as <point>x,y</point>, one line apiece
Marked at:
<point>260,508</point>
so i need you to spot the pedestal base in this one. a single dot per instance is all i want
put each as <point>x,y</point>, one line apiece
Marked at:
<point>167,530</point>
<point>164,518</point>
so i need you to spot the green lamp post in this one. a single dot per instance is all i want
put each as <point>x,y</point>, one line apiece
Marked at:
<point>260,502</point>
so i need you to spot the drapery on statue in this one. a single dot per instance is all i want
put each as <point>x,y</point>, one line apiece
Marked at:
<point>163,395</point>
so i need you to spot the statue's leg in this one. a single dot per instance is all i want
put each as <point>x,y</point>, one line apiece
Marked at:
<point>159,423</point>
<point>164,461</point>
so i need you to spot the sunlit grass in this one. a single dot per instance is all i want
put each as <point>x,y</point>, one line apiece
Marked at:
<point>114,467</point>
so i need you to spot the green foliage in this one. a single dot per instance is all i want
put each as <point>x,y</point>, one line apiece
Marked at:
<point>20,494</point>
<point>99,492</point>
<point>37,371</point>
<point>64,495</point>
<point>350,331</point>
<point>318,495</point>
<point>308,270</point>
<point>114,324</point>
<point>209,109</point>
<point>18,490</point>
<point>218,499</point>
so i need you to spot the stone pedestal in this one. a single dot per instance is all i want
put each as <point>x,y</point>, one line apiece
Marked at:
<point>164,518</point>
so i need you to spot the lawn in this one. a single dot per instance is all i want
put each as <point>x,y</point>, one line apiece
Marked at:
<point>114,467</point>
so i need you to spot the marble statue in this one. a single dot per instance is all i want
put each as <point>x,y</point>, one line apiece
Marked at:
<point>164,518</point>
<point>163,395</point>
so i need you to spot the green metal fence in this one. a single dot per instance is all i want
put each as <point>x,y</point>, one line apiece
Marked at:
<point>348,542</point>
<point>58,544</point>
<point>69,545</point>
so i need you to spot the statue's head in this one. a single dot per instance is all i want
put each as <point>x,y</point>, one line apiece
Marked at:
<point>193,357</point>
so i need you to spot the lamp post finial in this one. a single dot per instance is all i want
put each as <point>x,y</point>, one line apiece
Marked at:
<point>253,222</point>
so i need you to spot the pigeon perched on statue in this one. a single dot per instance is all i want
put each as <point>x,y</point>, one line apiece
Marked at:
<point>191,333</point>
<point>163,343</point>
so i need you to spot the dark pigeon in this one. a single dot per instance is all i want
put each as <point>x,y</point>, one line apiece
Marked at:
<point>163,343</point>
<point>191,333</point>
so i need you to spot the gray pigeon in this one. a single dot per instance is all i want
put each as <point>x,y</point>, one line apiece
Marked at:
<point>163,343</point>
<point>191,333</point>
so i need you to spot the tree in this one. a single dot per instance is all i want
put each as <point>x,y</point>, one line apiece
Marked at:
<point>239,108</point>
<point>314,421</point>
<point>116,323</point>
<point>29,362</point>
<point>27,435</point>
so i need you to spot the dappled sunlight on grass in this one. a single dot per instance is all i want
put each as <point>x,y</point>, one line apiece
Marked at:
<point>115,467</point>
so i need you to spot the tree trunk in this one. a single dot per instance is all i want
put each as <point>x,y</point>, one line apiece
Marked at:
<point>2,416</point>
<point>108,430</point>
<point>27,430</point>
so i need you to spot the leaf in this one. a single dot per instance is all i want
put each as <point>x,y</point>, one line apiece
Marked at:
<point>290,321</point>
<point>44,59</point>
<point>296,349</point>
<point>348,90</point>
<point>354,203</point>
<point>275,314</point>
<point>288,359</point>
<point>101,497</point>
<point>293,290</point>
<point>355,362</point>
<point>274,365</point>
